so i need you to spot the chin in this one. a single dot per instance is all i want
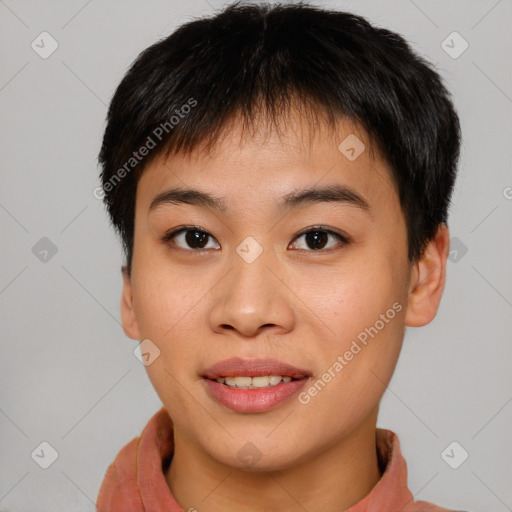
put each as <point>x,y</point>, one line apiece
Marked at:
<point>258,456</point>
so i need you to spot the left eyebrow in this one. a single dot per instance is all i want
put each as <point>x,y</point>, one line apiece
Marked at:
<point>329,194</point>
<point>294,199</point>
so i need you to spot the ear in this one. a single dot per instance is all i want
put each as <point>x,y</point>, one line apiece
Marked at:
<point>428,277</point>
<point>128,318</point>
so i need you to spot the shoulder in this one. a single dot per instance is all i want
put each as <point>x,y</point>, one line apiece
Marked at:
<point>119,488</point>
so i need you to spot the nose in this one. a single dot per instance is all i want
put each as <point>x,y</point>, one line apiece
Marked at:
<point>252,298</point>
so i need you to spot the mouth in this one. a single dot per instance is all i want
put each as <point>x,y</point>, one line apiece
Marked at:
<point>256,385</point>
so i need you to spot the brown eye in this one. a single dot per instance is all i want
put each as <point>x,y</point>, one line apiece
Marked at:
<point>189,238</point>
<point>317,239</point>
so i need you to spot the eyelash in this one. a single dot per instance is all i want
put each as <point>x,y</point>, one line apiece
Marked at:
<point>166,238</point>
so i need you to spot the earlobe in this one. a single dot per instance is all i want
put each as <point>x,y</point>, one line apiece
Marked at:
<point>428,277</point>
<point>128,317</point>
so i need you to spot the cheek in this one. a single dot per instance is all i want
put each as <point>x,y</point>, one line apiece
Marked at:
<point>170,317</point>
<point>363,310</point>
<point>170,310</point>
<point>353,297</point>
<point>358,363</point>
<point>164,297</point>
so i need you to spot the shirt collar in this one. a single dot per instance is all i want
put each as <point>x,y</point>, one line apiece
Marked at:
<point>137,476</point>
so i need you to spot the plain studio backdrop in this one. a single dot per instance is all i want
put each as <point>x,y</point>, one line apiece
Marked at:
<point>68,374</point>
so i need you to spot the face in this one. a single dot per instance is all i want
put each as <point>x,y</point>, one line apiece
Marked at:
<point>271,281</point>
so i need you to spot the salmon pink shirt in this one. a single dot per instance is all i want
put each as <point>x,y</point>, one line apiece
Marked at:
<point>135,481</point>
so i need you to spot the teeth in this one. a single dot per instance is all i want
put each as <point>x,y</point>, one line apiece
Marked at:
<point>243,382</point>
<point>274,379</point>
<point>262,381</point>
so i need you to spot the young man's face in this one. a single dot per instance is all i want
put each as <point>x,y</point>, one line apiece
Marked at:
<point>255,287</point>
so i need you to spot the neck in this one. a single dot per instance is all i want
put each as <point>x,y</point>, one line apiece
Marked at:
<point>333,480</point>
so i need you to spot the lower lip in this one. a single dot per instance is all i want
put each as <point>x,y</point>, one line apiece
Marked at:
<point>254,400</point>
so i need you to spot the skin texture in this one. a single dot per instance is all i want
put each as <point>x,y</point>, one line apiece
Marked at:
<point>293,303</point>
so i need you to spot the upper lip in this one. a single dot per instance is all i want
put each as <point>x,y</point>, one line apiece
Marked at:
<point>237,367</point>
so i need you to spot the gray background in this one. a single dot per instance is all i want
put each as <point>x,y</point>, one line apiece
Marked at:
<point>68,373</point>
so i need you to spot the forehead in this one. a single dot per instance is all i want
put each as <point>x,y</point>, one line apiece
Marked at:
<point>252,165</point>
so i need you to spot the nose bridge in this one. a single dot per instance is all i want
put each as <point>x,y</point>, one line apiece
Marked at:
<point>252,281</point>
<point>251,295</point>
